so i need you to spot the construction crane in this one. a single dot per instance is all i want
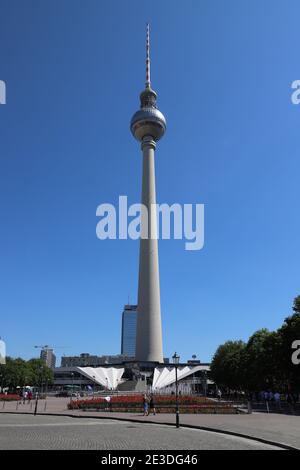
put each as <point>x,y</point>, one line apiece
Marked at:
<point>44,347</point>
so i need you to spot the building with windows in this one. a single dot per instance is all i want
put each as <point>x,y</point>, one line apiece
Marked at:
<point>134,376</point>
<point>88,360</point>
<point>48,356</point>
<point>128,335</point>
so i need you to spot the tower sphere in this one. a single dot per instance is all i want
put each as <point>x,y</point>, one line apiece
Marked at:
<point>148,121</point>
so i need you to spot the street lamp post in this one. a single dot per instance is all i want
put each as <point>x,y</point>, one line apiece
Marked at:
<point>72,393</point>
<point>204,382</point>
<point>94,386</point>
<point>42,378</point>
<point>176,359</point>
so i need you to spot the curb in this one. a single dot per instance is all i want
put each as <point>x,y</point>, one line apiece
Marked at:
<point>282,445</point>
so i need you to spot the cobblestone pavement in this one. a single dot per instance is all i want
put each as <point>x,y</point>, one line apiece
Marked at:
<point>276,428</point>
<point>62,432</point>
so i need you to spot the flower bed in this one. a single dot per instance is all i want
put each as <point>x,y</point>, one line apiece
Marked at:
<point>9,397</point>
<point>184,410</point>
<point>163,404</point>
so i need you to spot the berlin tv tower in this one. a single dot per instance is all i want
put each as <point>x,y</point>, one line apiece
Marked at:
<point>148,125</point>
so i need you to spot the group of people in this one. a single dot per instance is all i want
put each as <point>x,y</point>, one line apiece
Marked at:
<point>26,395</point>
<point>274,396</point>
<point>148,405</point>
<point>268,396</point>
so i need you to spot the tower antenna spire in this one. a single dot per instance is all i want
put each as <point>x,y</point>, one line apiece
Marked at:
<point>148,81</point>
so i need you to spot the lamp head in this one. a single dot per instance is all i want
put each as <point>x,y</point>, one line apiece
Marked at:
<point>176,358</point>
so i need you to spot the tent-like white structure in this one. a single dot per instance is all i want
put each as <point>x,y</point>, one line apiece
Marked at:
<point>166,376</point>
<point>108,377</point>
<point>2,352</point>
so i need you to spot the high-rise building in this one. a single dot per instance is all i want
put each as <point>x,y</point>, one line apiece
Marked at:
<point>48,356</point>
<point>148,125</point>
<point>128,336</point>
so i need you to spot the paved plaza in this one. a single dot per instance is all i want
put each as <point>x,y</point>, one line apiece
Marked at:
<point>62,432</point>
<point>273,428</point>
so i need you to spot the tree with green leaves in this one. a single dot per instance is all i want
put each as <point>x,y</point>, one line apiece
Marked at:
<point>264,362</point>
<point>41,373</point>
<point>19,373</point>
<point>14,373</point>
<point>226,366</point>
<point>260,367</point>
<point>289,332</point>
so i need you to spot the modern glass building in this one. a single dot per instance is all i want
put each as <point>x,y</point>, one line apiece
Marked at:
<point>128,330</point>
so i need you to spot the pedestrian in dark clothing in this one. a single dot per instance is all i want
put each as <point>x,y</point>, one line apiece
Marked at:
<point>152,405</point>
<point>290,402</point>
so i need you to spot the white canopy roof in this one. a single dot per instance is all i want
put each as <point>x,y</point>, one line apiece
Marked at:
<point>108,377</point>
<point>166,376</point>
<point>2,352</point>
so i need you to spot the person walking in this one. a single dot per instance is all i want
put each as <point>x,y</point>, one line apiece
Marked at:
<point>289,400</point>
<point>145,405</point>
<point>152,406</point>
<point>108,401</point>
<point>277,400</point>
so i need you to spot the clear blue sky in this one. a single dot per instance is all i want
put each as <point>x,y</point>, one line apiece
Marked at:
<point>74,70</point>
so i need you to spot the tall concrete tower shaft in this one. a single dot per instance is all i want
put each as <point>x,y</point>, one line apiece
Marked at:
<point>148,125</point>
<point>149,331</point>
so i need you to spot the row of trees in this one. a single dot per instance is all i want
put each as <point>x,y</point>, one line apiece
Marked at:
<point>264,362</point>
<point>18,373</point>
